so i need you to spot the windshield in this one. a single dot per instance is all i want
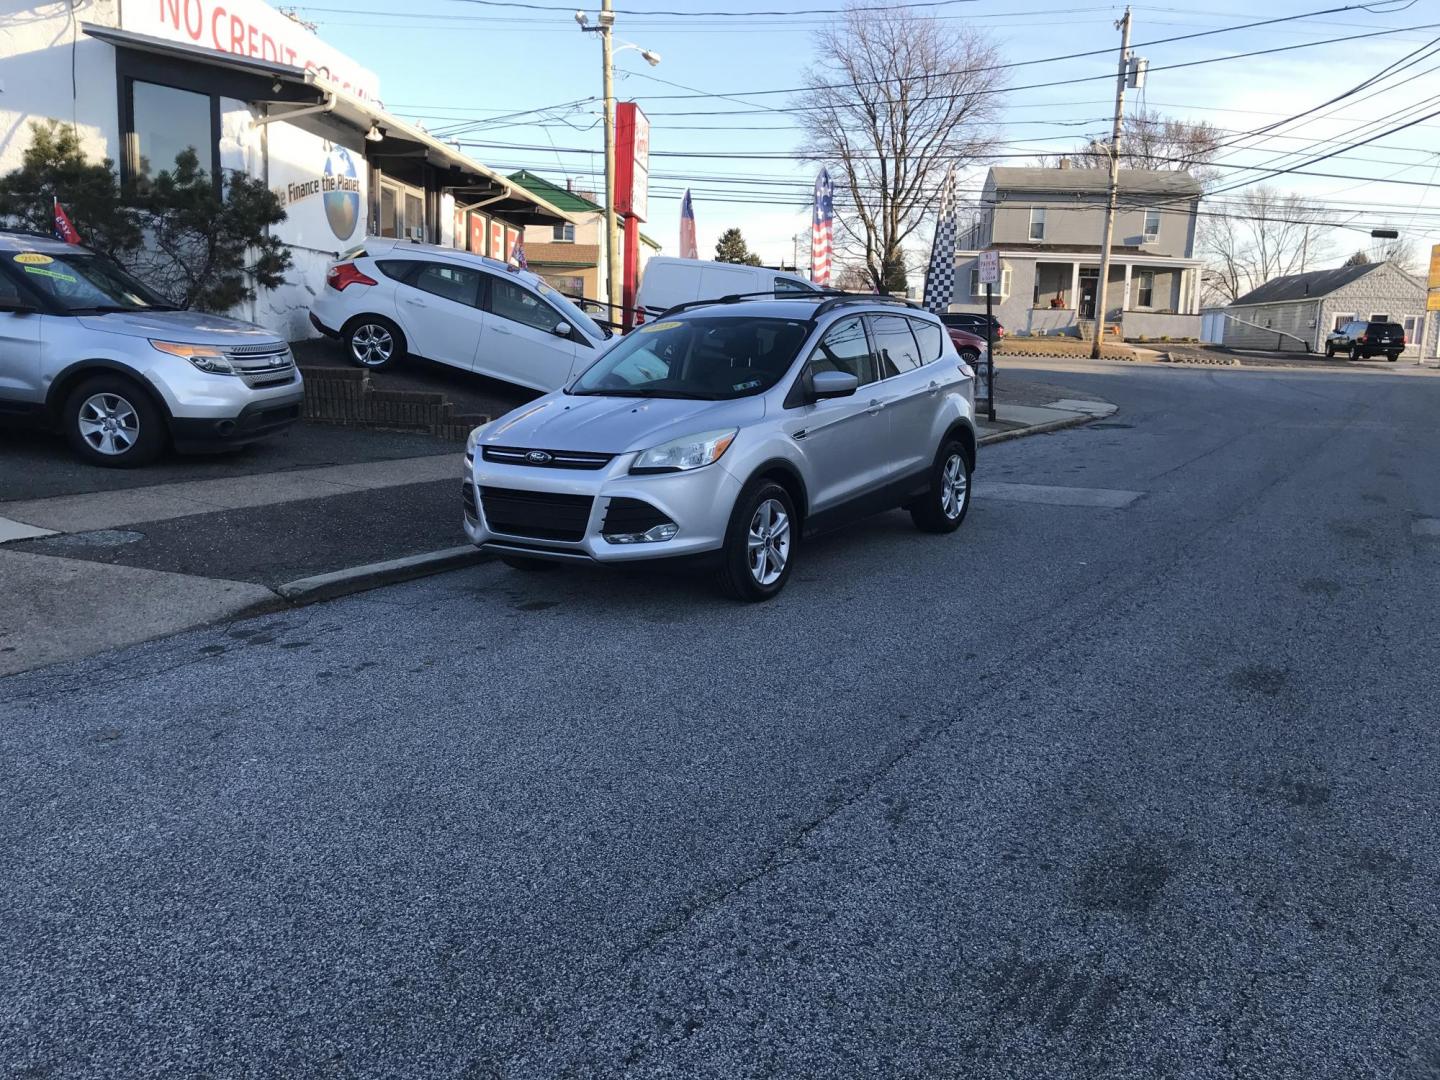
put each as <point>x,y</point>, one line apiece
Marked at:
<point>572,313</point>
<point>82,282</point>
<point>711,359</point>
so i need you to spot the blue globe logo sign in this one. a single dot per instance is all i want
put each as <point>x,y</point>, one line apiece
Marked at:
<point>341,184</point>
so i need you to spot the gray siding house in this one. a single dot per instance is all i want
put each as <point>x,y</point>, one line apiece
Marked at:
<point>1046,225</point>
<point>1296,312</point>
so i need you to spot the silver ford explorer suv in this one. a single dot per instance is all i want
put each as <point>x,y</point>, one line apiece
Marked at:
<point>87,349</point>
<point>728,430</point>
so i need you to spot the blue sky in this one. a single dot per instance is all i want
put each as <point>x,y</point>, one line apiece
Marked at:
<point>448,62</point>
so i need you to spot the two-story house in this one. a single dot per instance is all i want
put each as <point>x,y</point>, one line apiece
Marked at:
<point>1046,225</point>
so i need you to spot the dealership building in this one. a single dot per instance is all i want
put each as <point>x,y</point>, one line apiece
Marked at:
<point>253,91</point>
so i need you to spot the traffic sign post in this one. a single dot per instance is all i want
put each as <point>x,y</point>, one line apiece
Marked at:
<point>989,264</point>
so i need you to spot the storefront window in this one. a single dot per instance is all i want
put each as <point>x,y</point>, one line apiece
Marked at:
<point>402,212</point>
<point>164,122</point>
<point>389,211</point>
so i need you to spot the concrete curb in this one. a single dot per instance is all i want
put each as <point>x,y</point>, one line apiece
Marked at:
<point>1041,429</point>
<point>1201,361</point>
<point>355,579</point>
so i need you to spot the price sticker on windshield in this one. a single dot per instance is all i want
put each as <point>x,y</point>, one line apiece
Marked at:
<point>33,258</point>
<point>656,327</point>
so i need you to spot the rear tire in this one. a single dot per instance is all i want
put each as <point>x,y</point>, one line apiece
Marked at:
<point>1329,352</point>
<point>944,506</point>
<point>529,566</point>
<point>970,356</point>
<point>1356,353</point>
<point>110,421</point>
<point>760,543</point>
<point>373,342</point>
<point>1393,356</point>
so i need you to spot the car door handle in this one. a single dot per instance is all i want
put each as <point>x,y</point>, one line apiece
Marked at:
<point>874,407</point>
<point>502,330</point>
<point>934,387</point>
<point>415,301</point>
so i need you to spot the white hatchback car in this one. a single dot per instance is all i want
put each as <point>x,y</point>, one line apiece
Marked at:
<point>393,297</point>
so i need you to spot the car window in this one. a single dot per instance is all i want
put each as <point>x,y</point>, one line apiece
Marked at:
<point>895,345</point>
<point>459,284</point>
<point>571,312</point>
<point>929,336</point>
<point>714,358</point>
<point>399,269</point>
<point>789,287</point>
<point>845,348</point>
<point>81,282</point>
<point>9,293</point>
<point>512,301</point>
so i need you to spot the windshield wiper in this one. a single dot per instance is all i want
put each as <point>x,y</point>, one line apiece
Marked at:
<point>109,309</point>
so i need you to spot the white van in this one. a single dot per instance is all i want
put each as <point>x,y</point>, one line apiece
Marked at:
<point>668,282</point>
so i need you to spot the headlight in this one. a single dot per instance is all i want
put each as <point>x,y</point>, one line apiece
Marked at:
<point>691,452</point>
<point>205,357</point>
<point>472,441</point>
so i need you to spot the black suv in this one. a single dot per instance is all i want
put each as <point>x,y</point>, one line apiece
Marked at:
<point>972,324</point>
<point>1363,340</point>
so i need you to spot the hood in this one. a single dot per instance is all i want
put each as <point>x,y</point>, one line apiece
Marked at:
<point>191,327</point>
<point>615,425</point>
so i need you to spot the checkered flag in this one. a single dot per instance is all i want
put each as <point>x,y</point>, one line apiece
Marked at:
<point>940,274</point>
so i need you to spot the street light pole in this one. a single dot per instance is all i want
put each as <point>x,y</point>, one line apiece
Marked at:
<point>1113,189</point>
<point>612,226</point>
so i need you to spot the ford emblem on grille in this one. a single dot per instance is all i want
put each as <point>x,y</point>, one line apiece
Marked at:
<point>538,457</point>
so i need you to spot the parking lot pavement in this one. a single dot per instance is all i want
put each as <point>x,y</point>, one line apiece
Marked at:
<point>36,465</point>
<point>1117,788</point>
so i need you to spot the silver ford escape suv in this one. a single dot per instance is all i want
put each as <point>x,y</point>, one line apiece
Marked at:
<point>730,429</point>
<point>88,350</point>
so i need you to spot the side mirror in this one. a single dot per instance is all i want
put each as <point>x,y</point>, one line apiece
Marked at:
<point>833,384</point>
<point>561,329</point>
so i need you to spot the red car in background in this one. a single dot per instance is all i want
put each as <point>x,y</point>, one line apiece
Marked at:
<point>970,346</point>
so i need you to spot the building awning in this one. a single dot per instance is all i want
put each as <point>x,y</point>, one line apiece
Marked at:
<point>289,88</point>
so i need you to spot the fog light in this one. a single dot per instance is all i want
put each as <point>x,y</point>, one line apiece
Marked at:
<point>651,536</point>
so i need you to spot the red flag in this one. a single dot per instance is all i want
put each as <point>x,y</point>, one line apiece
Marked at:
<point>63,229</point>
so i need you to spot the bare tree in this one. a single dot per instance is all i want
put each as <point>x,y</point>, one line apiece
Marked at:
<point>1263,234</point>
<point>1151,141</point>
<point>896,99</point>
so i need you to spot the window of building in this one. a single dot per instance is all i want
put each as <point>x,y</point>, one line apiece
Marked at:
<point>1037,223</point>
<point>1145,289</point>
<point>1001,291</point>
<point>845,348</point>
<point>459,284</point>
<point>1379,318</point>
<point>895,345</point>
<point>161,122</point>
<point>931,339</point>
<point>1342,321</point>
<point>510,301</point>
<point>402,211</point>
<point>1412,329</point>
<point>564,233</point>
<point>1152,226</point>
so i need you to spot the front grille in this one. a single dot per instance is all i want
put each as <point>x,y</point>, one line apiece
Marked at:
<point>631,516</point>
<point>260,366</point>
<point>558,459</point>
<point>541,515</point>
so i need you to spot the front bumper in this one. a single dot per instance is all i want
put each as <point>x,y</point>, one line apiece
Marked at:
<point>259,419</point>
<point>698,502</point>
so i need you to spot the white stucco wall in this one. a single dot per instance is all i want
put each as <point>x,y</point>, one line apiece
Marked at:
<point>52,71</point>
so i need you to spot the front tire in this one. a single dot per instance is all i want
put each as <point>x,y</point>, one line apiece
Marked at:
<point>1329,352</point>
<point>760,543</point>
<point>109,421</point>
<point>970,356</point>
<point>944,506</point>
<point>373,342</point>
<point>1357,353</point>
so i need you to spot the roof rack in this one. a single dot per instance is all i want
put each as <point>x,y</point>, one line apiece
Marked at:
<point>842,299</point>
<point>732,298</point>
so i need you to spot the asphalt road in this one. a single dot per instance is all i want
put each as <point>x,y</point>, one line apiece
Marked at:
<point>1146,791</point>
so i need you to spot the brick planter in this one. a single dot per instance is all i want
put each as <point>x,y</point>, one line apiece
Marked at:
<point>343,395</point>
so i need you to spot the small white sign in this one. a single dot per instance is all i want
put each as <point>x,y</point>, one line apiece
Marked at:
<point>989,264</point>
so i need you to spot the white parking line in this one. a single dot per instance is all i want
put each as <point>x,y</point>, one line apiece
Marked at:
<point>1105,498</point>
<point>11,529</point>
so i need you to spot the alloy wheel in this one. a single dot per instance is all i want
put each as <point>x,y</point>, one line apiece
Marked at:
<point>769,542</point>
<point>954,487</point>
<point>109,424</point>
<point>371,345</point>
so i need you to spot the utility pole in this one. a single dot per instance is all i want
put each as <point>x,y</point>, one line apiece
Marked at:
<point>612,225</point>
<point>1114,187</point>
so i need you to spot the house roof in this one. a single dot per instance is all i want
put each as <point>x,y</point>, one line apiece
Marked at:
<point>564,198</point>
<point>1309,286</point>
<point>1094,181</point>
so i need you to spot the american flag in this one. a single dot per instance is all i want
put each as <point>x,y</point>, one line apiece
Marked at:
<point>822,231</point>
<point>687,229</point>
<point>517,253</point>
<point>63,229</point>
